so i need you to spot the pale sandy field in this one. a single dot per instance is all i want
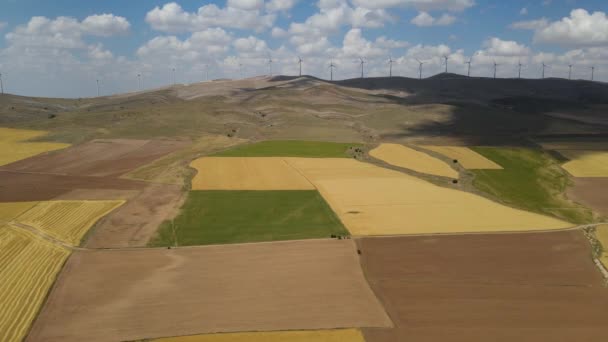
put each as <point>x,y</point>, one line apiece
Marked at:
<point>602,235</point>
<point>342,335</point>
<point>67,221</point>
<point>466,157</point>
<point>13,147</point>
<point>28,266</point>
<point>234,173</point>
<point>586,163</point>
<point>293,285</point>
<point>406,157</point>
<point>10,210</point>
<point>374,201</point>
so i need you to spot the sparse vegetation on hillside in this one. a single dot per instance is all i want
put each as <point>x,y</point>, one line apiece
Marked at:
<point>531,180</point>
<point>291,148</point>
<point>218,217</point>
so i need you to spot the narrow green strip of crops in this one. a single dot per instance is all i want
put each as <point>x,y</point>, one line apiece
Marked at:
<point>291,148</point>
<point>222,217</point>
<point>530,179</point>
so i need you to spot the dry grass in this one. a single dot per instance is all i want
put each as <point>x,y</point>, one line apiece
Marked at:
<point>466,157</point>
<point>13,146</point>
<point>405,157</point>
<point>67,221</point>
<point>344,335</point>
<point>601,233</point>
<point>236,173</point>
<point>28,265</point>
<point>374,201</point>
<point>586,163</point>
<point>10,210</point>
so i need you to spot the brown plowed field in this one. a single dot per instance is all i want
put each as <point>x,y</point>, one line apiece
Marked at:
<point>133,224</point>
<point>502,287</point>
<point>100,158</point>
<point>592,192</point>
<point>297,285</point>
<point>19,187</point>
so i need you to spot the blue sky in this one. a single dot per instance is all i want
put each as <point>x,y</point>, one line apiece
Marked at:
<point>61,48</point>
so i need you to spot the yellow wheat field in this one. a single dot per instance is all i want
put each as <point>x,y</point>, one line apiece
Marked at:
<point>67,221</point>
<point>466,157</point>
<point>602,235</point>
<point>402,156</point>
<point>28,267</point>
<point>10,210</point>
<point>13,145</point>
<point>586,163</point>
<point>233,173</point>
<point>344,335</point>
<point>375,201</point>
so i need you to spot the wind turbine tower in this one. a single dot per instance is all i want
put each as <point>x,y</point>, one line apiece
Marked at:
<point>420,64</point>
<point>544,66</point>
<point>569,71</point>
<point>270,65</point>
<point>390,63</point>
<point>469,68</point>
<point>173,76</point>
<point>97,87</point>
<point>139,81</point>
<point>446,63</point>
<point>592,72</point>
<point>1,85</point>
<point>362,63</point>
<point>331,68</point>
<point>519,70</point>
<point>495,67</point>
<point>300,63</point>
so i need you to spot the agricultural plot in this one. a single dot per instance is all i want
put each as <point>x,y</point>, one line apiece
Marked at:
<point>295,285</point>
<point>67,221</point>
<point>10,210</point>
<point>214,217</point>
<point>503,287</point>
<point>601,233</point>
<point>28,265</point>
<point>14,145</point>
<point>466,157</point>
<point>408,158</point>
<point>586,163</point>
<point>291,148</point>
<point>591,192</point>
<point>215,173</point>
<point>375,201</point>
<point>99,158</point>
<point>342,335</point>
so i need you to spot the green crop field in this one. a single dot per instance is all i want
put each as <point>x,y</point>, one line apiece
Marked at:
<point>219,217</point>
<point>531,180</point>
<point>291,148</point>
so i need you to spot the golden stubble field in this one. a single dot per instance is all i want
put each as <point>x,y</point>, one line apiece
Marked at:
<point>342,335</point>
<point>586,163</point>
<point>408,158</point>
<point>466,157</point>
<point>28,266</point>
<point>14,145</point>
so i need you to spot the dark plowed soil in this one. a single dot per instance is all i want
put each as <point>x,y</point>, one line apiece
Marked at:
<point>591,192</point>
<point>503,287</point>
<point>100,158</point>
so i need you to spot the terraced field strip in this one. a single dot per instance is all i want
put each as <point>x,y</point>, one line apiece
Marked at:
<point>408,158</point>
<point>291,148</point>
<point>13,146</point>
<point>236,173</point>
<point>28,266</point>
<point>601,233</point>
<point>10,210</point>
<point>586,163</point>
<point>371,200</point>
<point>343,335</point>
<point>466,157</point>
<point>67,221</point>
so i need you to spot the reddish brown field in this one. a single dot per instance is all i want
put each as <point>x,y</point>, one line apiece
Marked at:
<point>146,293</point>
<point>591,192</point>
<point>100,158</point>
<point>503,287</point>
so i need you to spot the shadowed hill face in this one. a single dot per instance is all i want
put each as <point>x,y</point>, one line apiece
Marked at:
<point>469,110</point>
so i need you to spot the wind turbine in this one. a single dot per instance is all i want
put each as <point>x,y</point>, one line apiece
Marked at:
<point>300,63</point>
<point>97,87</point>
<point>1,85</point>
<point>519,72</point>
<point>139,81</point>
<point>544,66</point>
<point>469,69</point>
<point>569,71</point>
<point>270,65</point>
<point>420,67</point>
<point>241,70</point>
<point>331,68</point>
<point>173,76</point>
<point>362,63</point>
<point>592,72</point>
<point>446,63</point>
<point>495,67</point>
<point>390,63</point>
<point>207,72</point>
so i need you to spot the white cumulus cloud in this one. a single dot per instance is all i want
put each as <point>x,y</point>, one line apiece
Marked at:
<point>424,19</point>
